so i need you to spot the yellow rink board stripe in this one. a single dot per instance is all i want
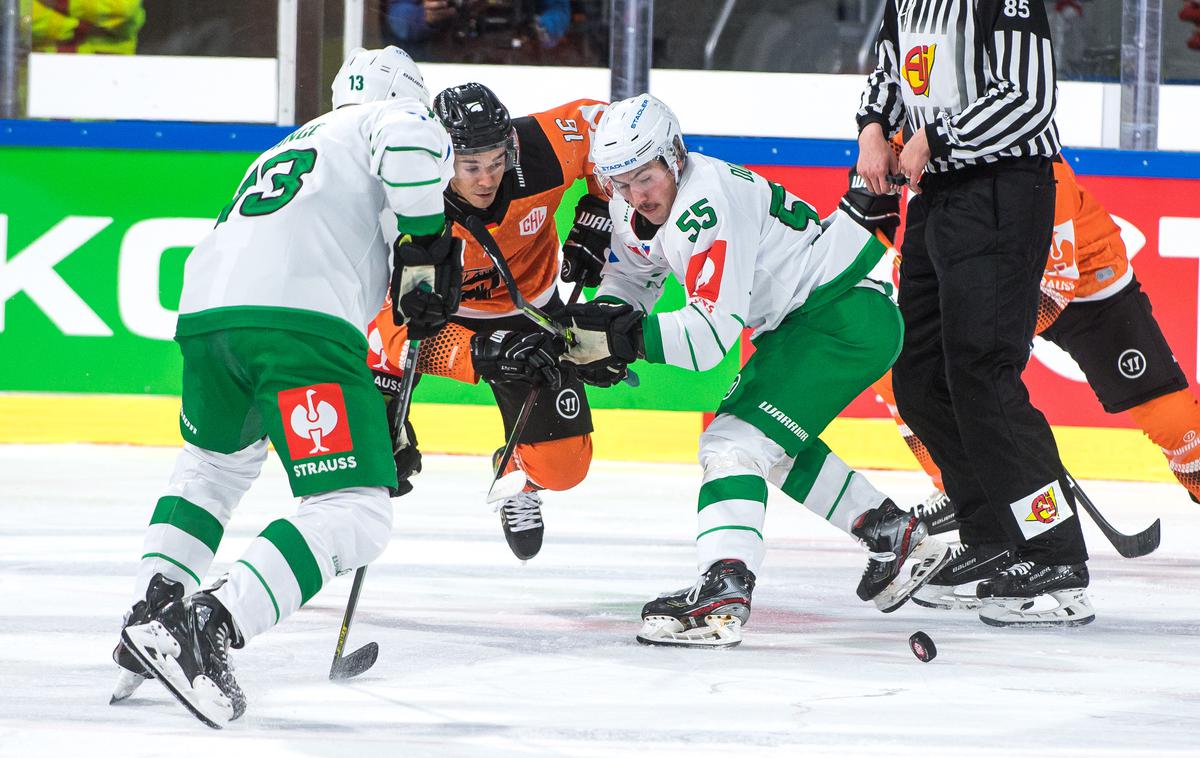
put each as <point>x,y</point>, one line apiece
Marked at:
<point>631,435</point>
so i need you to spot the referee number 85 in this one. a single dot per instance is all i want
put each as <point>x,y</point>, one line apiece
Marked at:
<point>1016,8</point>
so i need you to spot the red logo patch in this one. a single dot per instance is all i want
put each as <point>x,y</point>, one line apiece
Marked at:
<point>314,421</point>
<point>1044,507</point>
<point>704,272</point>
<point>918,65</point>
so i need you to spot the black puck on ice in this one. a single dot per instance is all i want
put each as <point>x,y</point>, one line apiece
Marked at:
<point>922,646</point>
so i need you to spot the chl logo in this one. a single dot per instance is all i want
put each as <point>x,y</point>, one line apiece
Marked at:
<point>315,421</point>
<point>567,403</point>
<point>533,221</point>
<point>918,66</point>
<point>1131,364</point>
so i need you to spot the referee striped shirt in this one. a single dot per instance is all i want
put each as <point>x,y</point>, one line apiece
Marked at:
<point>977,75</point>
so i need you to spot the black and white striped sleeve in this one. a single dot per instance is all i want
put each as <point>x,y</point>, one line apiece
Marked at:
<point>882,102</point>
<point>1017,107</point>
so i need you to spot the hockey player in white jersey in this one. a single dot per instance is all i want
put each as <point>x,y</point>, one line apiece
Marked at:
<point>272,323</point>
<point>750,256</point>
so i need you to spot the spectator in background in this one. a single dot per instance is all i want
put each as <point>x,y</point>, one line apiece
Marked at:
<point>87,26</point>
<point>501,26</point>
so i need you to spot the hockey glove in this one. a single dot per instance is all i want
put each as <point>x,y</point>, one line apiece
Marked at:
<point>603,374</point>
<point>587,245</point>
<point>404,443</point>
<point>426,284</point>
<point>608,338</point>
<point>518,357</point>
<point>878,214</point>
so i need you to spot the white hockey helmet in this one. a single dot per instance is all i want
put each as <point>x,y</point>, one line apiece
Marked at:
<point>634,132</point>
<point>369,75</point>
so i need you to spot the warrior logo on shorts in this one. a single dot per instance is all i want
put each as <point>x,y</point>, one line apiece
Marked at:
<point>314,420</point>
<point>1131,364</point>
<point>567,403</point>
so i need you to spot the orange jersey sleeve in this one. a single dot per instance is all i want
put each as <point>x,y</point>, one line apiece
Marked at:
<point>1103,259</point>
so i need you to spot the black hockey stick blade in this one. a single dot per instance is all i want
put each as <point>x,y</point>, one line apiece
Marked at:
<point>1128,545</point>
<point>355,663</point>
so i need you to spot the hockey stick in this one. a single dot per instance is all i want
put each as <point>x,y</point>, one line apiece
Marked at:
<point>345,667</point>
<point>1128,545</point>
<point>475,226</point>
<point>509,485</point>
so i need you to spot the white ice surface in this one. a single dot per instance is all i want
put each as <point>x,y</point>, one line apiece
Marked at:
<point>483,656</point>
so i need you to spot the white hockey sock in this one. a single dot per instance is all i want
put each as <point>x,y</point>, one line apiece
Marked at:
<point>827,486</point>
<point>189,520</point>
<point>288,563</point>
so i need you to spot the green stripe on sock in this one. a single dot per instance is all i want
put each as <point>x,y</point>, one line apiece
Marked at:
<point>173,562</point>
<point>838,499</point>
<point>742,487</point>
<point>731,526</point>
<point>189,517</point>
<point>805,470</point>
<point>265,587</point>
<point>286,538</point>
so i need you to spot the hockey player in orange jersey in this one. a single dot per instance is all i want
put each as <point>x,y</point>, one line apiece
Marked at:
<point>512,174</point>
<point>1093,307</point>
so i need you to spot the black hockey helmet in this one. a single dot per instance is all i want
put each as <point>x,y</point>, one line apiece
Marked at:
<point>476,119</point>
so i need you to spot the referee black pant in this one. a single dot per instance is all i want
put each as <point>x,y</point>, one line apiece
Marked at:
<point>975,246</point>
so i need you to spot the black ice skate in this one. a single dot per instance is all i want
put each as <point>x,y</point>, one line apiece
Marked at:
<point>710,614</point>
<point>521,518</point>
<point>953,588</point>
<point>159,594</point>
<point>900,545</point>
<point>187,648</point>
<point>1037,594</point>
<point>938,513</point>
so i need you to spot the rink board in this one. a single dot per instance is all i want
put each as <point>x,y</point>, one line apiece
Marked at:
<point>621,434</point>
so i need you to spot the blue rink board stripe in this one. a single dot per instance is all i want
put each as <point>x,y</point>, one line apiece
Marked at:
<point>775,151</point>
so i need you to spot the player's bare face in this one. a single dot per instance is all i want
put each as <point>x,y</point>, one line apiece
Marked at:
<point>477,176</point>
<point>650,189</point>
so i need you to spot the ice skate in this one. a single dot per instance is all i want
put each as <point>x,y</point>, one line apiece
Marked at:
<point>710,614</point>
<point>900,546</point>
<point>1031,594</point>
<point>953,587</point>
<point>521,518</point>
<point>938,513</point>
<point>186,646</point>
<point>131,673</point>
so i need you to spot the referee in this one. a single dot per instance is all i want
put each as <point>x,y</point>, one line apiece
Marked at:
<point>974,83</point>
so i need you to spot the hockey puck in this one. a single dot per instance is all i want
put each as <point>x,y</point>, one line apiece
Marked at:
<point>922,646</point>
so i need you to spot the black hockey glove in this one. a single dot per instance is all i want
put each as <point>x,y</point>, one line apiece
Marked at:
<point>518,357</point>
<point>404,442</point>
<point>608,338</point>
<point>875,213</point>
<point>603,374</point>
<point>587,245</point>
<point>426,284</point>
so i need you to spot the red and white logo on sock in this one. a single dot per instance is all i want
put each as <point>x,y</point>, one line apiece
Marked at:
<point>314,421</point>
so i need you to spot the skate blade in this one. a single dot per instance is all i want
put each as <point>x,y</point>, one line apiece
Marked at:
<point>925,560</point>
<point>719,631</point>
<point>127,682</point>
<point>158,650</point>
<point>947,598</point>
<point>1065,608</point>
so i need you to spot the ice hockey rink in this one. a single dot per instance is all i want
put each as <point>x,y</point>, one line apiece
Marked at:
<point>483,656</point>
